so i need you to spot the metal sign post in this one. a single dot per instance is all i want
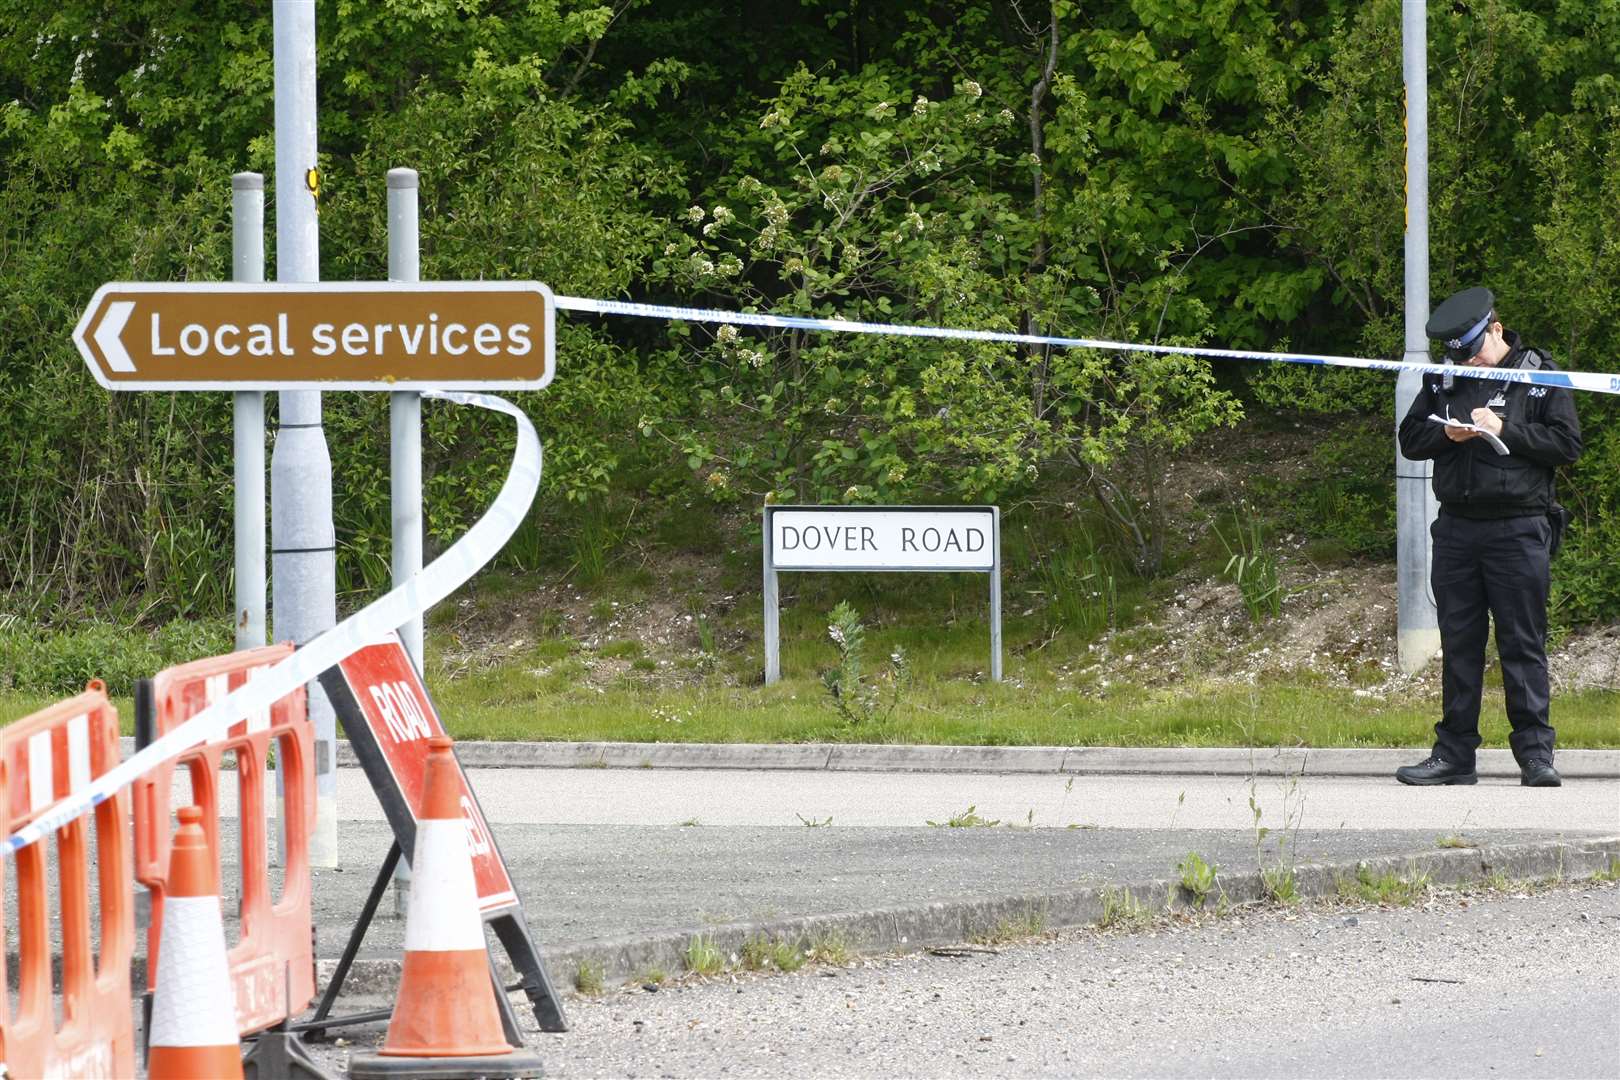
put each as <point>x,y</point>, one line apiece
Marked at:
<point>247,261</point>
<point>1418,627</point>
<point>303,543</point>
<point>907,539</point>
<point>405,449</point>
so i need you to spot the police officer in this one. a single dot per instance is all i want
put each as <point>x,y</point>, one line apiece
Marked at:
<point>1495,533</point>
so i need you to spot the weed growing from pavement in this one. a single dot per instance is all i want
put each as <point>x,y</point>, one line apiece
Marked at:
<point>588,978</point>
<point>814,823</point>
<point>1121,910</point>
<point>829,947</point>
<point>1031,924</point>
<point>967,819</point>
<point>689,823</point>
<point>1608,873</point>
<point>655,976</point>
<point>1454,840</point>
<point>1198,878</point>
<point>1385,887</point>
<point>759,953</point>
<point>702,958</point>
<point>1277,880</point>
<point>1280,884</point>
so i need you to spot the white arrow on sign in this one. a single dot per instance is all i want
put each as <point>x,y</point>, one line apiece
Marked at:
<point>109,335</point>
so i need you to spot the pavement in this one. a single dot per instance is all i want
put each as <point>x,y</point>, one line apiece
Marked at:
<point>624,853</point>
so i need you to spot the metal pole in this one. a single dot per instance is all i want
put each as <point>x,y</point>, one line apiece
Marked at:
<point>773,654</point>
<point>995,597</point>
<point>1417,629</point>
<point>247,264</point>
<point>405,448</point>
<point>247,414</point>
<point>302,538</point>
<point>405,409</point>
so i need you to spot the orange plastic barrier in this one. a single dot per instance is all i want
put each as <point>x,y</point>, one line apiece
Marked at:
<point>43,759</point>
<point>273,963</point>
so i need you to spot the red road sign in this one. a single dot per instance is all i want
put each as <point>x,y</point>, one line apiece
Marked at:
<point>398,719</point>
<point>347,335</point>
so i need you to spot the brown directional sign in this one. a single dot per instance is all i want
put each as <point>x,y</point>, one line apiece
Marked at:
<point>448,335</point>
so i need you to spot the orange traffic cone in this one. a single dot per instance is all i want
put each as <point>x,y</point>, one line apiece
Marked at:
<point>193,1034</point>
<point>446,1020</point>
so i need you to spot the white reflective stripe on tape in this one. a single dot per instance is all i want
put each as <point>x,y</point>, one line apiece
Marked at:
<point>41,782</point>
<point>78,735</point>
<point>437,580</point>
<point>1601,382</point>
<point>194,1004</point>
<point>443,913</point>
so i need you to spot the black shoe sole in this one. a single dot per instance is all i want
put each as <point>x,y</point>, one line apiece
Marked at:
<point>1463,779</point>
<point>1525,782</point>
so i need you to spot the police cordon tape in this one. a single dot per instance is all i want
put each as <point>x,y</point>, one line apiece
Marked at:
<point>490,532</point>
<point>437,580</point>
<point>1599,382</point>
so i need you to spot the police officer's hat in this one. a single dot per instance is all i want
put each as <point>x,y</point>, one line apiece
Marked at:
<point>1459,323</point>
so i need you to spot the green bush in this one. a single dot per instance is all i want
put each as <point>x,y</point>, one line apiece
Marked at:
<point>61,662</point>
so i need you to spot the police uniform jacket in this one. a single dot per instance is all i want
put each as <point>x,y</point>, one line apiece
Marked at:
<point>1539,428</point>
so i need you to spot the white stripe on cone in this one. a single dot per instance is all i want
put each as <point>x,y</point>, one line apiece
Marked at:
<point>443,912</point>
<point>194,1004</point>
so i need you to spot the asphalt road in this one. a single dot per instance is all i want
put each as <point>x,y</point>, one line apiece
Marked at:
<point>1491,985</point>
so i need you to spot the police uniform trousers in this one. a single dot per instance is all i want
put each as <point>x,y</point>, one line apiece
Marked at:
<point>1485,569</point>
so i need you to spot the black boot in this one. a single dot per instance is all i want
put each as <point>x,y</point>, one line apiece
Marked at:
<point>1539,772</point>
<point>1436,770</point>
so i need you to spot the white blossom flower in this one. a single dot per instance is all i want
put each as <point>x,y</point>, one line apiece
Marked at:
<point>972,89</point>
<point>1006,116</point>
<point>726,335</point>
<point>694,214</point>
<point>723,215</point>
<point>920,106</point>
<point>852,493</point>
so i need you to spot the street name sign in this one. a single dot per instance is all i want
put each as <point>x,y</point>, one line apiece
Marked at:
<point>356,335</point>
<point>877,538</point>
<point>917,539</point>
